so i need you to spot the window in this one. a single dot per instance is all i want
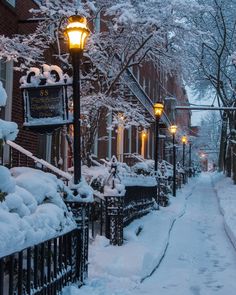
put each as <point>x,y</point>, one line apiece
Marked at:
<point>11,2</point>
<point>3,70</point>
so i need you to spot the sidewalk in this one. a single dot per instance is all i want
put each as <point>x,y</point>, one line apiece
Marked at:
<point>226,193</point>
<point>118,270</point>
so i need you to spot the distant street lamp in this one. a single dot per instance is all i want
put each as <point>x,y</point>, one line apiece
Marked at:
<point>173,129</point>
<point>158,110</point>
<point>77,32</point>
<point>190,159</point>
<point>184,141</point>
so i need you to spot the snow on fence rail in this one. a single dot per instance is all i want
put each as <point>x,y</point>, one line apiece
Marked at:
<point>44,163</point>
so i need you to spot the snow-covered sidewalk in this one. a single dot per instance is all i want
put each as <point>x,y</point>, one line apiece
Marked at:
<point>184,247</point>
<point>119,270</point>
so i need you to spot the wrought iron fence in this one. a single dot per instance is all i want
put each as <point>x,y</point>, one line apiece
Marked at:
<point>110,215</point>
<point>42,269</point>
<point>138,201</point>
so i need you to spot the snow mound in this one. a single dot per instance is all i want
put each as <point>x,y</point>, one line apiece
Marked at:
<point>31,208</point>
<point>3,96</point>
<point>8,130</point>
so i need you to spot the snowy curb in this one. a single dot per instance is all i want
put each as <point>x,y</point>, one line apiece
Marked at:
<point>227,216</point>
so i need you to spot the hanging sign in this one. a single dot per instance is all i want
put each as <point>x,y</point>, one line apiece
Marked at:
<point>45,106</point>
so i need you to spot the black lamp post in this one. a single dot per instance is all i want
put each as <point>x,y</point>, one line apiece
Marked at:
<point>77,32</point>
<point>184,141</point>
<point>173,129</point>
<point>158,110</point>
<point>190,159</point>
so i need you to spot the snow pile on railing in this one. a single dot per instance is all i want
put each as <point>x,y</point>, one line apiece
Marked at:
<point>31,208</point>
<point>8,130</point>
<point>137,180</point>
<point>111,178</point>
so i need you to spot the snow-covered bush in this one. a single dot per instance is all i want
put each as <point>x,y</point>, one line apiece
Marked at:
<point>145,167</point>
<point>82,192</point>
<point>112,177</point>
<point>31,208</point>
<point>8,130</point>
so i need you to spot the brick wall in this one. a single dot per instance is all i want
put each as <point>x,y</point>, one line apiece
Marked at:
<point>10,18</point>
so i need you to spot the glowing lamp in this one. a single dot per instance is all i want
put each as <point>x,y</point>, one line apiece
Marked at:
<point>158,109</point>
<point>77,32</point>
<point>184,139</point>
<point>173,129</point>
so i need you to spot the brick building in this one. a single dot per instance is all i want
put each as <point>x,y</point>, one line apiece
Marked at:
<point>144,84</point>
<point>12,16</point>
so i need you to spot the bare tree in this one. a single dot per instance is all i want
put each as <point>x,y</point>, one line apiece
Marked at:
<point>214,69</point>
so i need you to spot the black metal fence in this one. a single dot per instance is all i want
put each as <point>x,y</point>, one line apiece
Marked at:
<point>110,215</point>
<point>42,269</point>
<point>138,201</point>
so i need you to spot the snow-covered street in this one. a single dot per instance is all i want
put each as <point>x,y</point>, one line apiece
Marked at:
<point>192,251</point>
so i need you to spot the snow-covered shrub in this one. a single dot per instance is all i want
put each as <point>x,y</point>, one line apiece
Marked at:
<point>31,208</point>
<point>143,168</point>
<point>8,130</point>
<point>82,192</point>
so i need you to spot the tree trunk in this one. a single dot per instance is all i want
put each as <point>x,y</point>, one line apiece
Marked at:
<point>221,160</point>
<point>234,163</point>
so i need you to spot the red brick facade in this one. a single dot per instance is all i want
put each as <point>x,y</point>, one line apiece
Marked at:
<point>154,82</point>
<point>10,24</point>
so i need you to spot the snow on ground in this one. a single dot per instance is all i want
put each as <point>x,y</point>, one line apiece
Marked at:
<point>186,241</point>
<point>227,202</point>
<point>121,269</point>
<point>31,208</point>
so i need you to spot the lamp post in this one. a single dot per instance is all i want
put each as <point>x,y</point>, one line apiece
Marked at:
<point>158,110</point>
<point>184,141</point>
<point>77,32</point>
<point>190,159</point>
<point>173,129</point>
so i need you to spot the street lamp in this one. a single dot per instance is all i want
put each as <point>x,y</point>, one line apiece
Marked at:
<point>158,110</point>
<point>173,129</point>
<point>190,159</point>
<point>77,32</point>
<point>184,141</point>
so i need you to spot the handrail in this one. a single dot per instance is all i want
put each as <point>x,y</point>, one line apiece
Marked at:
<point>40,161</point>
